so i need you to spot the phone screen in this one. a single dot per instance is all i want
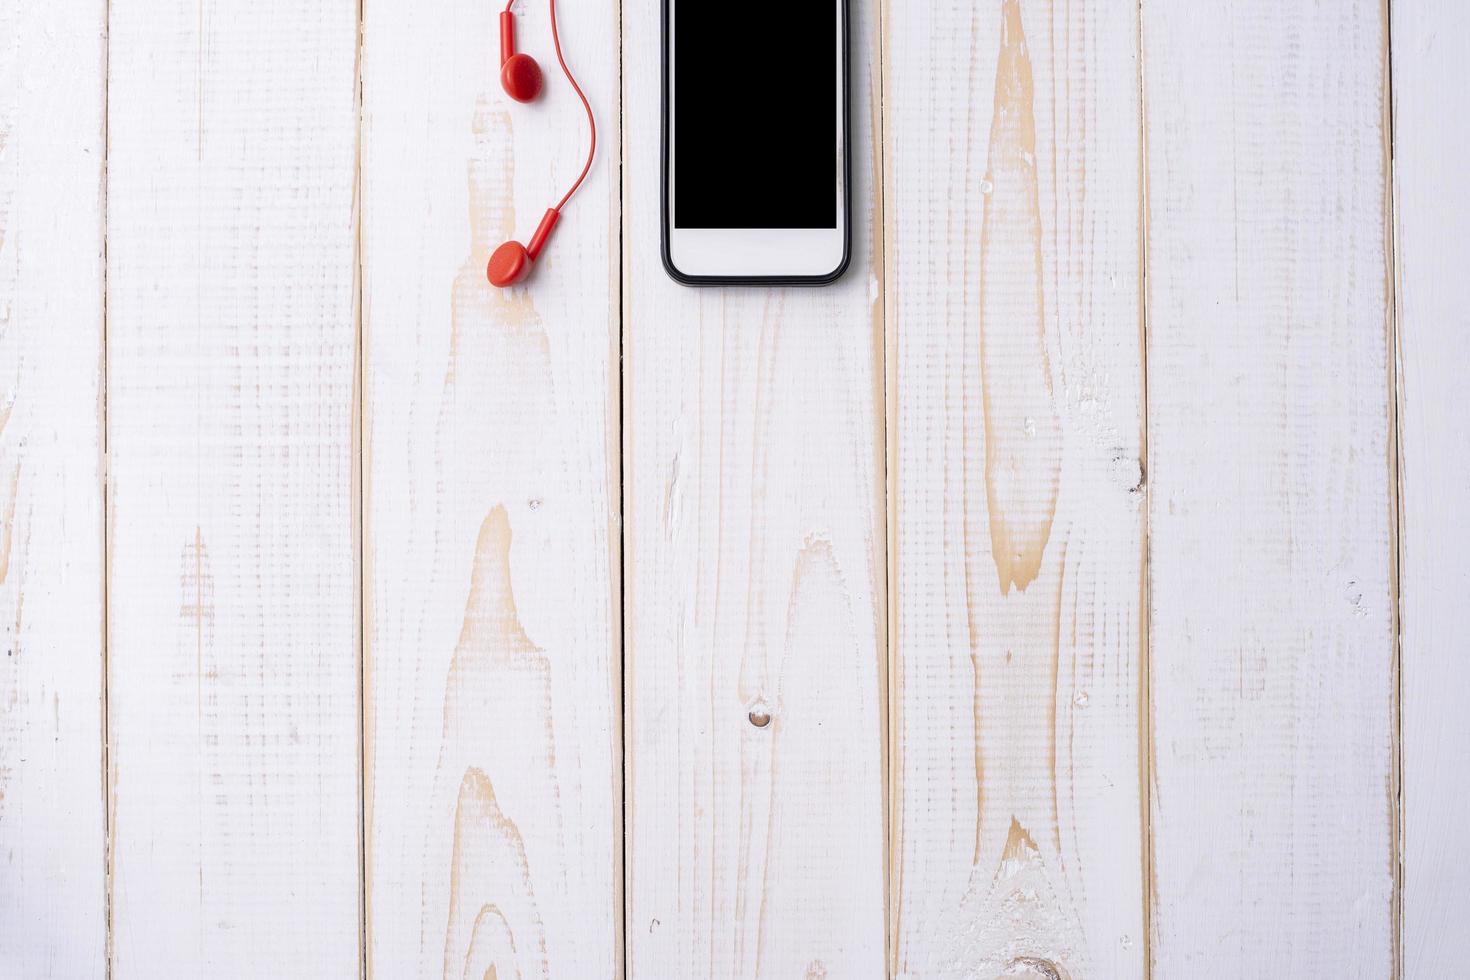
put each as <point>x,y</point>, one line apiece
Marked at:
<point>755,114</point>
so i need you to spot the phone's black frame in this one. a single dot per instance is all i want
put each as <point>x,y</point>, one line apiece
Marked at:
<point>663,176</point>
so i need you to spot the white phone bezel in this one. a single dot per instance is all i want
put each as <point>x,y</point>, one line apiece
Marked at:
<point>759,253</point>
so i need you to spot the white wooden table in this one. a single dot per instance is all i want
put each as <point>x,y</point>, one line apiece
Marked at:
<point>1094,554</point>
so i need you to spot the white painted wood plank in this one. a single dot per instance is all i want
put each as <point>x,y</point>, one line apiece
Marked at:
<point>1016,383</point>
<point>1271,607</point>
<point>754,564</point>
<point>233,658</point>
<point>52,829</point>
<point>494,826</point>
<point>1431,47</point>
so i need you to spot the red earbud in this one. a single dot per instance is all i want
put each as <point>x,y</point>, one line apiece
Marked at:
<point>520,76</point>
<point>511,263</point>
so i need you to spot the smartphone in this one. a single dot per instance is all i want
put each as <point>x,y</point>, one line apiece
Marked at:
<point>756,142</point>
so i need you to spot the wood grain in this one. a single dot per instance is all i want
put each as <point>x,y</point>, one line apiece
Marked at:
<point>958,644</point>
<point>1271,611</point>
<point>233,659</point>
<point>1431,45</point>
<point>491,546</point>
<point>1015,461</point>
<point>52,834</point>
<point>754,569</point>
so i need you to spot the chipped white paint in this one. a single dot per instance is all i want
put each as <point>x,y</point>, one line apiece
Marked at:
<point>1133,712</point>
<point>754,569</point>
<point>233,655</point>
<point>1016,387</point>
<point>1271,594</point>
<point>493,844</point>
<point>52,856</point>
<point>1431,42</point>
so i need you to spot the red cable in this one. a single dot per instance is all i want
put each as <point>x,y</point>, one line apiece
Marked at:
<point>591,122</point>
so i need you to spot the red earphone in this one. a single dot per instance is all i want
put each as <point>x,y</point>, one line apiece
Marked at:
<point>520,76</point>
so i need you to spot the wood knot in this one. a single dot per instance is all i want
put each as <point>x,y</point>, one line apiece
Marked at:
<point>1036,966</point>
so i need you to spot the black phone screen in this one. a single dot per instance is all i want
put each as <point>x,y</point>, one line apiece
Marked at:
<point>755,114</point>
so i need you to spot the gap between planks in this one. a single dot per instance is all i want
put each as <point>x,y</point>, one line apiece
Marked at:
<point>892,777</point>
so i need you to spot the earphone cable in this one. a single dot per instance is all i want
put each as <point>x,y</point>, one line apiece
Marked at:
<point>591,122</point>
